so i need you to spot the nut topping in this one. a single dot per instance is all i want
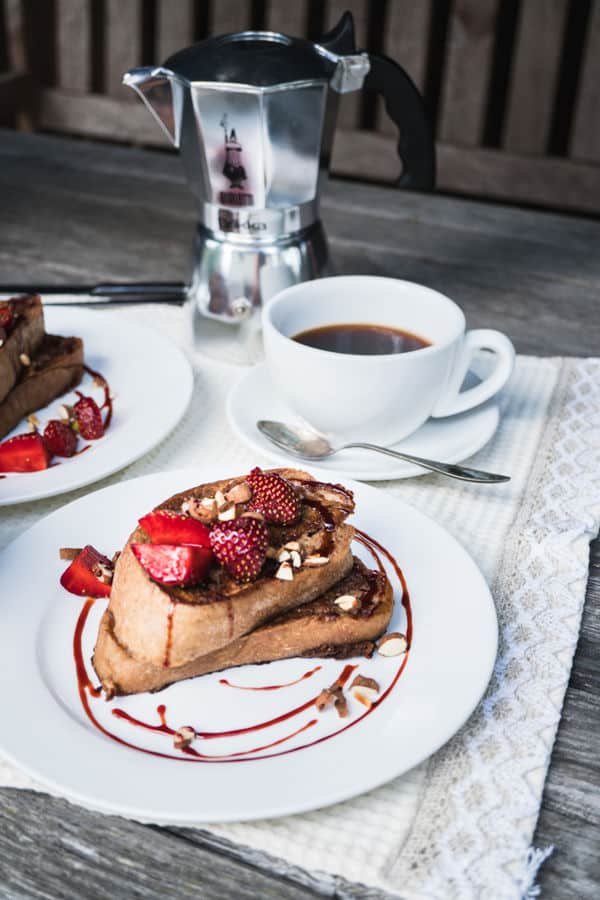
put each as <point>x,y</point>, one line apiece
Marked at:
<point>341,704</point>
<point>227,513</point>
<point>64,412</point>
<point>285,572</point>
<point>296,559</point>
<point>239,493</point>
<point>283,555</point>
<point>200,509</point>
<point>183,737</point>
<point>220,499</point>
<point>313,561</point>
<point>333,695</point>
<point>292,545</point>
<point>69,553</point>
<point>393,644</point>
<point>347,602</point>
<point>24,359</point>
<point>365,690</point>
<point>103,573</point>
<point>325,699</point>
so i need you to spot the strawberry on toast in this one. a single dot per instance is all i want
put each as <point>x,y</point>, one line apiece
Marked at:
<point>320,628</point>
<point>275,540</point>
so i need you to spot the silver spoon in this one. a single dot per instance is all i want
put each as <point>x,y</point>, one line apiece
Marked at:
<point>301,441</point>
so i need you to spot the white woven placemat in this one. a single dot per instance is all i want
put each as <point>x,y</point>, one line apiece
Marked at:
<point>461,824</point>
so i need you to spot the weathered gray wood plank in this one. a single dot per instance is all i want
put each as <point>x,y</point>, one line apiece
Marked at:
<point>585,141</point>
<point>174,26</point>
<point>73,39</point>
<point>534,75</point>
<point>73,209</point>
<point>405,34</point>
<point>467,71</point>
<point>123,44</point>
<point>50,849</point>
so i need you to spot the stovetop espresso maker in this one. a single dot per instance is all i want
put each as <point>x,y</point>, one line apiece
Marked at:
<point>253,116</point>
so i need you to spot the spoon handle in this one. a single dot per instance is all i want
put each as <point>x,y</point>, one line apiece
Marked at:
<point>453,471</point>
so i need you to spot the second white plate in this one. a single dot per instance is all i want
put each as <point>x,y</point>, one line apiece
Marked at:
<point>152,382</point>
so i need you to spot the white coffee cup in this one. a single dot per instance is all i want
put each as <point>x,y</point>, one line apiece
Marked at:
<point>378,398</point>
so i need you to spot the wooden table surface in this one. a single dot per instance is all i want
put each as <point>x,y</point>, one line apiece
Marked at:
<point>78,211</point>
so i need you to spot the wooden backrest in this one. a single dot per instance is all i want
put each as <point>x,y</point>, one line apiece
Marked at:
<point>512,86</point>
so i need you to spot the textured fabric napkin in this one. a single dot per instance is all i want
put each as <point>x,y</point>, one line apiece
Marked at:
<point>461,824</point>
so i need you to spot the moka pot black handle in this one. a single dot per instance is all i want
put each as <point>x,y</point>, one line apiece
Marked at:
<point>405,107</point>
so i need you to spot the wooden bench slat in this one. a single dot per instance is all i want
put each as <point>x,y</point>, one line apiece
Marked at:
<point>406,32</point>
<point>174,27</point>
<point>73,36</point>
<point>289,18</point>
<point>350,104</point>
<point>466,74</point>
<point>477,171</point>
<point>14,24</point>
<point>585,142</point>
<point>230,15</point>
<point>534,75</point>
<point>123,43</point>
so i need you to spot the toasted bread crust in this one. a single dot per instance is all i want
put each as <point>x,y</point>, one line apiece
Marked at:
<point>201,620</point>
<point>25,337</point>
<point>318,628</point>
<point>55,368</point>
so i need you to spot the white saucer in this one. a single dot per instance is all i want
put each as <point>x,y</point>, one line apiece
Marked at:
<point>451,440</point>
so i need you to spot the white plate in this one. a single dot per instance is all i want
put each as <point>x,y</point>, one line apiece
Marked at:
<point>449,440</point>
<point>45,731</point>
<point>152,382</point>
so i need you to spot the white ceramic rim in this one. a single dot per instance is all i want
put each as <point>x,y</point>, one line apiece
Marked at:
<point>295,290</point>
<point>118,767</point>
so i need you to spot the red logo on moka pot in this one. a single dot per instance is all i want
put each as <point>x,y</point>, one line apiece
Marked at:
<point>233,169</point>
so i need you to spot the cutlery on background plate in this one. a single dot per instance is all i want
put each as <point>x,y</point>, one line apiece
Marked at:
<point>308,444</point>
<point>73,294</point>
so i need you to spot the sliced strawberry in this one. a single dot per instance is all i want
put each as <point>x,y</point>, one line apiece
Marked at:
<point>6,316</point>
<point>241,546</point>
<point>273,496</point>
<point>163,527</point>
<point>59,438</point>
<point>24,453</point>
<point>88,418</point>
<point>169,564</point>
<point>89,574</point>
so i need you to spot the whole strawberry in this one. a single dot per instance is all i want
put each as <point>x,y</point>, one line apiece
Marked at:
<point>241,546</point>
<point>88,418</point>
<point>59,438</point>
<point>273,496</point>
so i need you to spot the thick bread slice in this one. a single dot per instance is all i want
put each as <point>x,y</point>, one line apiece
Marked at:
<point>56,367</point>
<point>25,337</point>
<point>318,628</point>
<point>174,625</point>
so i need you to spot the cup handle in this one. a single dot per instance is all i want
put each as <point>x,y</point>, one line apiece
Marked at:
<point>456,401</point>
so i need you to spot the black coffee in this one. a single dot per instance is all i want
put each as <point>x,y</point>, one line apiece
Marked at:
<point>363,339</point>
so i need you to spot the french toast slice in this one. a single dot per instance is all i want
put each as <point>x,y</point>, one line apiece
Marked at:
<point>319,628</point>
<point>55,368</point>
<point>22,337</point>
<point>158,624</point>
